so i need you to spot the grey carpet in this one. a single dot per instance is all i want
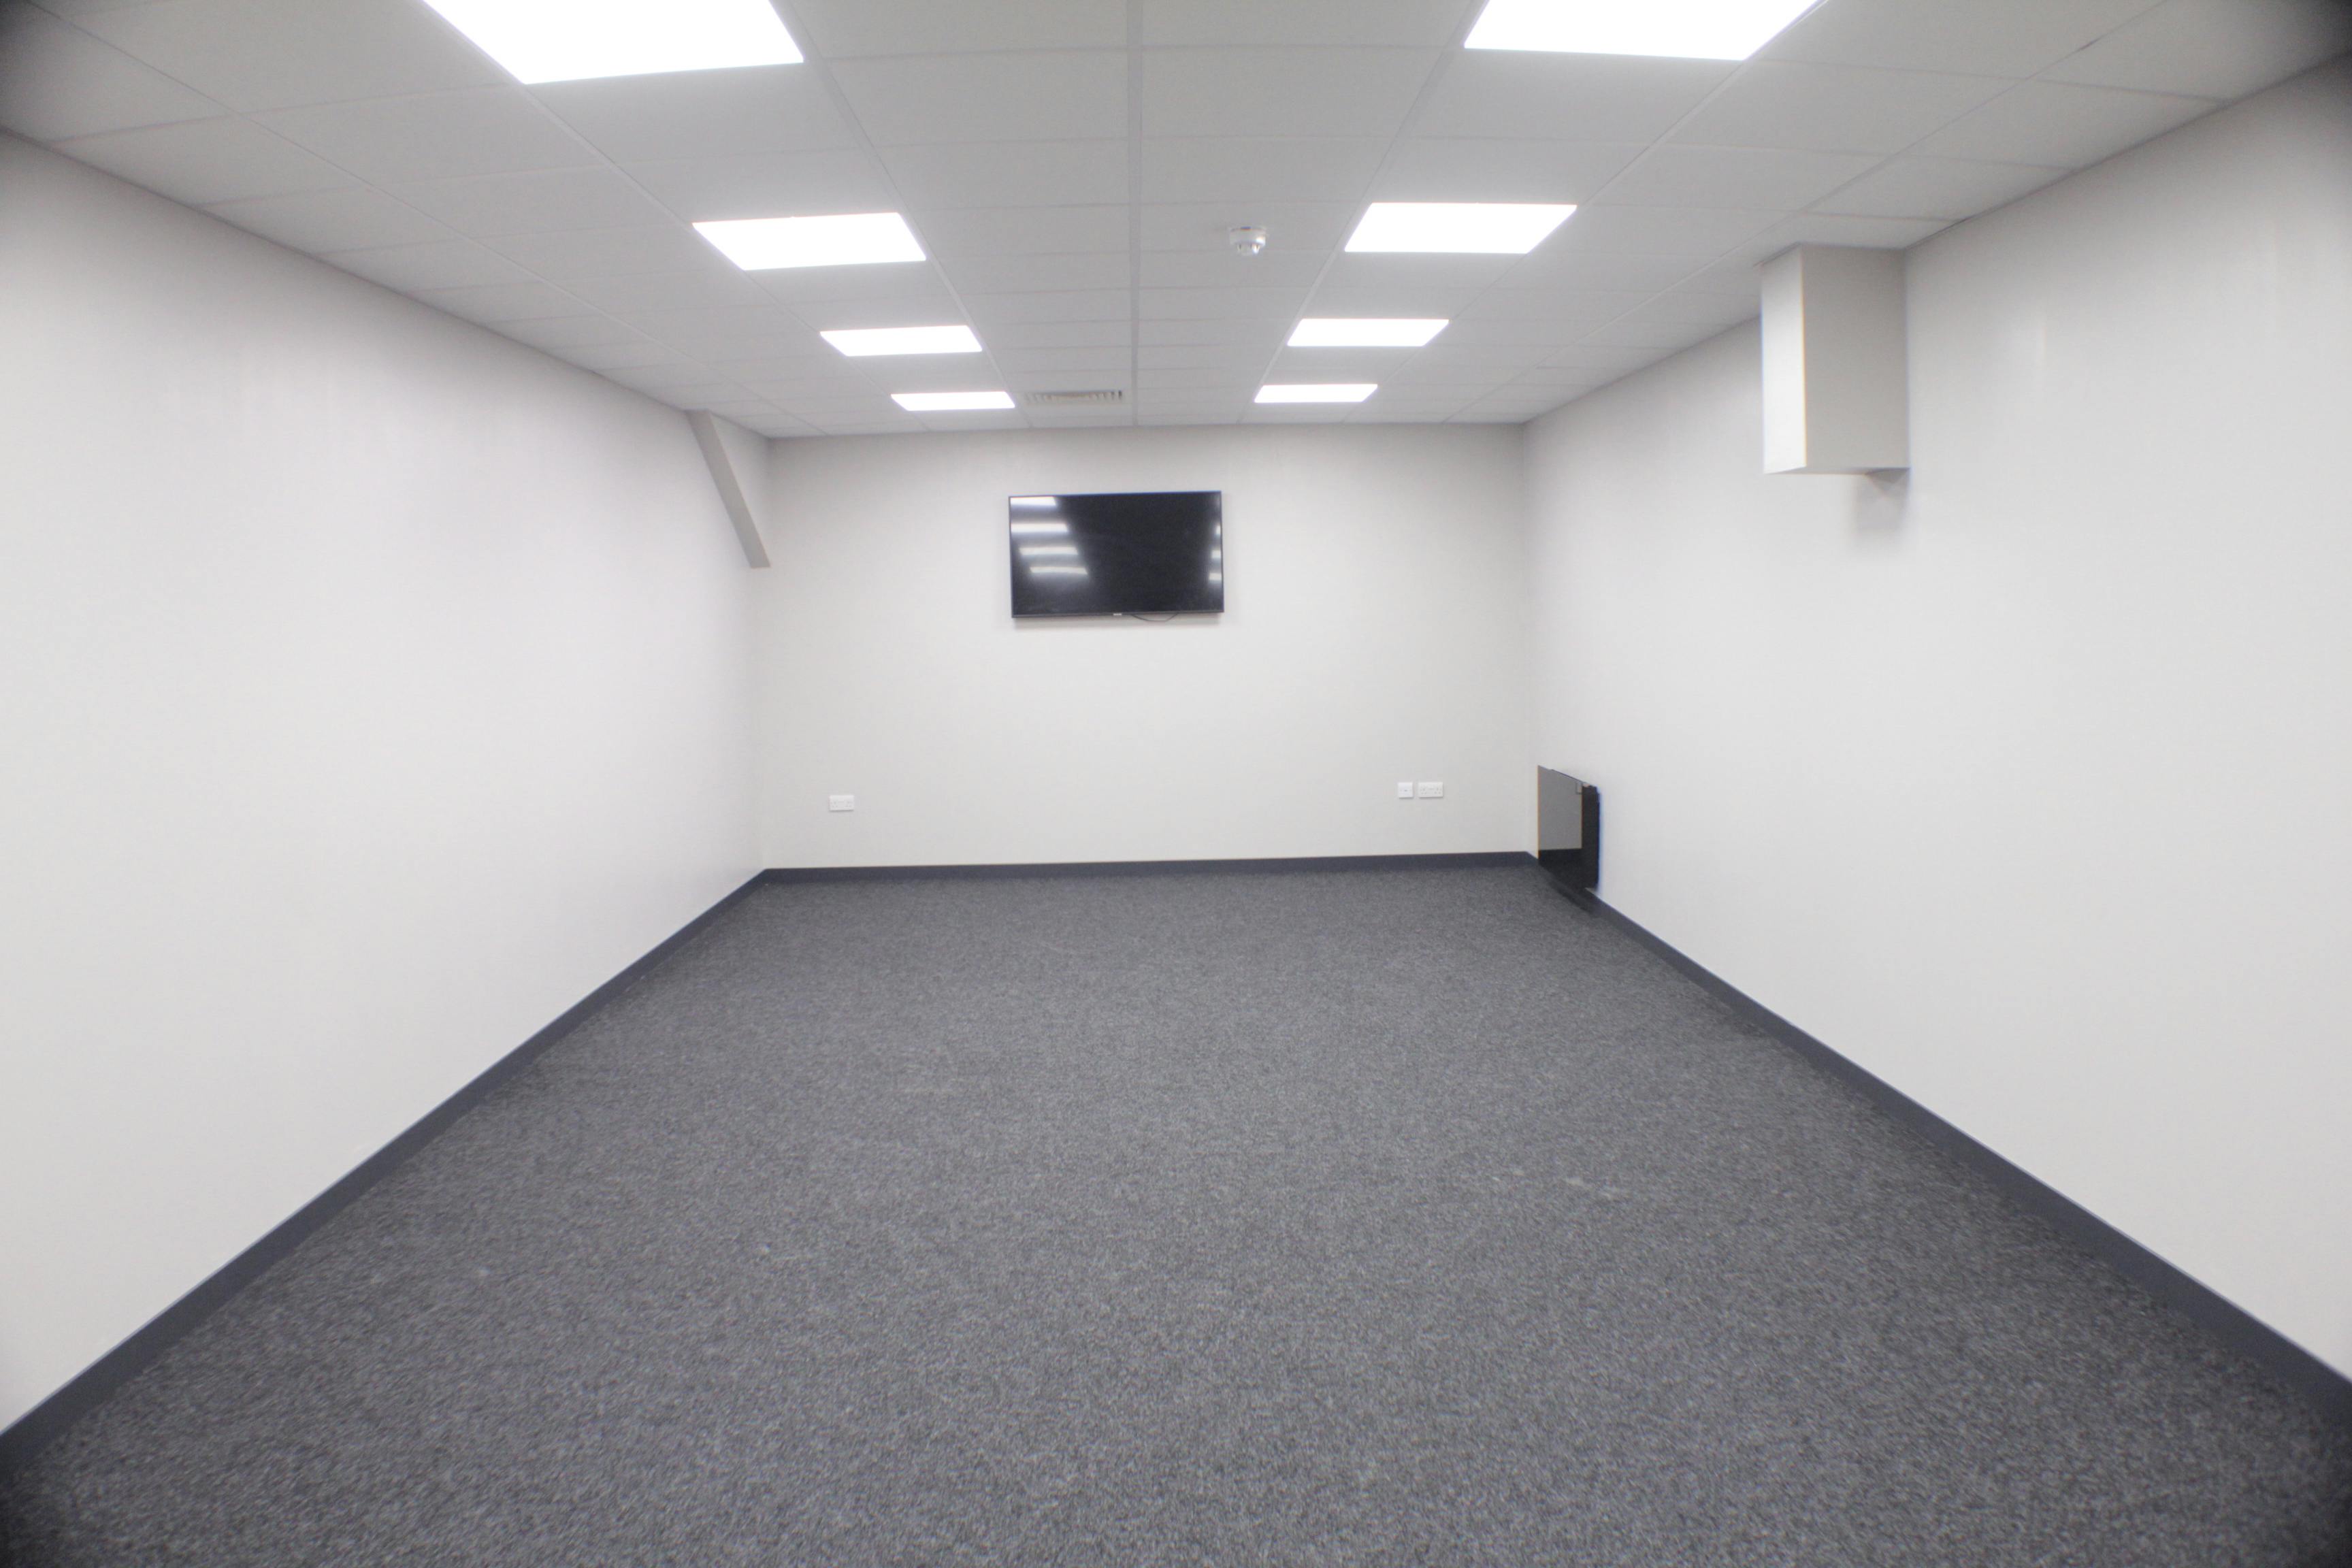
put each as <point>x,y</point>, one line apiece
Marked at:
<point>1363,1217</point>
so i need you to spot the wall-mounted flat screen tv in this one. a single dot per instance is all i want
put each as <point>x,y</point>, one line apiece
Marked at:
<point>1159,554</point>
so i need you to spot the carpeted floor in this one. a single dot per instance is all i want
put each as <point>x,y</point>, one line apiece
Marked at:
<point>1312,1218</point>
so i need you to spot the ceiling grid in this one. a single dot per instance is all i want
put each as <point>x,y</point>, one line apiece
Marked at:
<point>1071,169</point>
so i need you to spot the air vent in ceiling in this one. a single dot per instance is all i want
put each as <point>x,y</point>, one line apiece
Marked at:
<point>1064,399</point>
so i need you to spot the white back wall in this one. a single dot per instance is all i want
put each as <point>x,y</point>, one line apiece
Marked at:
<point>1373,634</point>
<point>374,688</point>
<point>2024,788</point>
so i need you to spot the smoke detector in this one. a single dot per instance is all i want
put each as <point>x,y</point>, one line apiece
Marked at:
<point>1249,240</point>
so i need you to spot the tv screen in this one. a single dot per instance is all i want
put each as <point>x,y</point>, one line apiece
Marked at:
<point>1120,554</point>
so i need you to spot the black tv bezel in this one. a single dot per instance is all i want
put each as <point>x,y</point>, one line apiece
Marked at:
<point>1013,561</point>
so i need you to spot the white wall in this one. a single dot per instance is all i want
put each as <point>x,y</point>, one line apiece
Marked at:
<point>372,689</point>
<point>1371,634</point>
<point>2029,790</point>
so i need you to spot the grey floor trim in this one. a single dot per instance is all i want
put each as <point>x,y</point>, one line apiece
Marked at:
<point>46,1420</point>
<point>2317,1381</point>
<point>1151,867</point>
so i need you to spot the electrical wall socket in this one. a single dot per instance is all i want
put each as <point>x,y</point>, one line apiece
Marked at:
<point>840,803</point>
<point>1431,790</point>
<point>1404,789</point>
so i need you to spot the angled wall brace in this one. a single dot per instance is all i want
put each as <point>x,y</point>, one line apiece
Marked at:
<point>738,466</point>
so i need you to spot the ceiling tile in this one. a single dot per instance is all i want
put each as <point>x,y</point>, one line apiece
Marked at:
<point>631,252</point>
<point>1657,231</point>
<point>739,330</point>
<point>1428,24</point>
<point>1495,315</point>
<point>504,302</point>
<point>205,161</point>
<point>1170,378</point>
<point>1067,96</point>
<point>1272,269</point>
<point>911,285</point>
<point>1982,37</point>
<point>1264,335</point>
<point>799,387</point>
<point>440,264</point>
<point>1047,363</point>
<point>922,311</point>
<point>1602,270</point>
<point>842,28</point>
<point>547,199</point>
<point>603,358</point>
<point>2213,48</point>
<point>562,333</point>
<point>1070,305</point>
<point>1291,227</point>
<point>1569,97</point>
<point>58,81</point>
<point>1011,174</point>
<point>1377,270</point>
<point>1475,169</point>
<point>274,54</point>
<point>1032,274</point>
<point>1743,177</point>
<point>349,218</point>
<point>1712,311</point>
<point>1281,92</point>
<point>1596,359</point>
<point>667,291</point>
<point>1057,334</point>
<point>1833,109</point>
<point>1336,365</point>
<point>1937,188</point>
<point>2061,125</point>
<point>1252,169</point>
<point>1024,231</point>
<point>1390,299</point>
<point>677,371</point>
<point>1661,337</point>
<point>766,185</point>
<point>444,135</point>
<point>1281,305</point>
<point>1240,358</point>
<point>701,114</point>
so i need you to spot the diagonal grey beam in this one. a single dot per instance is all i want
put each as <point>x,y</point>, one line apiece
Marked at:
<point>739,471</point>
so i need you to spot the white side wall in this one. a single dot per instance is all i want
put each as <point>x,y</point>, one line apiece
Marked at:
<point>372,689</point>
<point>1371,634</point>
<point>2029,790</point>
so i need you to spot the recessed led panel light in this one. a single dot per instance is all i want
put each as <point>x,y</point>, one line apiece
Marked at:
<point>840,239</point>
<point>1318,391</point>
<point>950,402</point>
<point>1478,228</point>
<point>1365,332</point>
<point>858,342</point>
<point>1678,29</point>
<point>566,40</point>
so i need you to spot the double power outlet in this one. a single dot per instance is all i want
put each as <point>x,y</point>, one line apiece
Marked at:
<point>1428,789</point>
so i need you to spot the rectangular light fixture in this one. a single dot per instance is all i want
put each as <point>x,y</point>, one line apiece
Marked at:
<point>564,40</point>
<point>858,342</point>
<point>1318,391</point>
<point>1057,570</point>
<point>1474,229</point>
<point>950,402</point>
<point>839,239</point>
<point>1042,530</point>
<point>1366,331</point>
<point>1673,29</point>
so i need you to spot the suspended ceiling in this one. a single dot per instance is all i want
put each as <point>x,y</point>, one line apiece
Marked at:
<point>1072,168</point>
